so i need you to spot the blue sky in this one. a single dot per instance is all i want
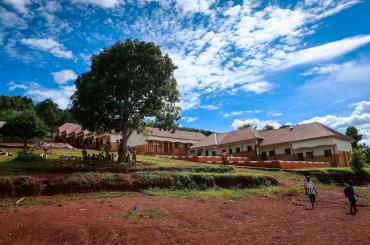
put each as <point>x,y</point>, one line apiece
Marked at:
<point>239,62</point>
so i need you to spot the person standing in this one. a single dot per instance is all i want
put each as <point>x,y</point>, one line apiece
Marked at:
<point>120,150</point>
<point>133,155</point>
<point>128,155</point>
<point>84,152</point>
<point>350,194</point>
<point>107,149</point>
<point>225,158</point>
<point>310,191</point>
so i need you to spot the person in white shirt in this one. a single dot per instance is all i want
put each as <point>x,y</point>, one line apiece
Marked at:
<point>310,191</point>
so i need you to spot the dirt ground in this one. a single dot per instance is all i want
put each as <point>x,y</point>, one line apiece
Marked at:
<point>254,220</point>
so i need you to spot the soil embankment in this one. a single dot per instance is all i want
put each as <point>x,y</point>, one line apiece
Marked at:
<point>90,182</point>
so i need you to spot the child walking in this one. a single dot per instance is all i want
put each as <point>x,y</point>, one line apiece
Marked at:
<point>310,191</point>
<point>350,194</point>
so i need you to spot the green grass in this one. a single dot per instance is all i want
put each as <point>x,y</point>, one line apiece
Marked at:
<point>112,194</point>
<point>276,174</point>
<point>271,192</point>
<point>9,205</point>
<point>128,215</point>
<point>152,213</point>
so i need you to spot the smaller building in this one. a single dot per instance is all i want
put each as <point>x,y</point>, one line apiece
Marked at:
<point>156,141</point>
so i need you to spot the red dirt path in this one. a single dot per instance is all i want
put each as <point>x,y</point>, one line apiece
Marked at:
<point>216,221</point>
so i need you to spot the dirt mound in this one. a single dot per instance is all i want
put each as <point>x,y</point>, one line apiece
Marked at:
<point>88,182</point>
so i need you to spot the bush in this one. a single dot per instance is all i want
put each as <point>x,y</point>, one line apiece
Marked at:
<point>358,159</point>
<point>24,156</point>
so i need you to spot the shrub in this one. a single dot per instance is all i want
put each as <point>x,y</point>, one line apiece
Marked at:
<point>24,156</point>
<point>358,159</point>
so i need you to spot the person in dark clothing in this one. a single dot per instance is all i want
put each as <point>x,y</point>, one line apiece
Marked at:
<point>120,149</point>
<point>350,194</point>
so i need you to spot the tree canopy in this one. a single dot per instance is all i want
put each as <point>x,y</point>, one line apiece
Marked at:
<point>127,83</point>
<point>25,125</point>
<point>16,103</point>
<point>268,127</point>
<point>49,112</point>
<point>353,133</point>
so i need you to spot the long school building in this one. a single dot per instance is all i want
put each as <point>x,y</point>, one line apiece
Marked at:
<point>155,142</point>
<point>312,142</point>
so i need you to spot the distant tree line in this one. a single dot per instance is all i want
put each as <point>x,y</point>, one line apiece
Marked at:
<point>26,120</point>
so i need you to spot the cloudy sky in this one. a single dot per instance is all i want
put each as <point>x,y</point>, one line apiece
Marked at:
<point>238,62</point>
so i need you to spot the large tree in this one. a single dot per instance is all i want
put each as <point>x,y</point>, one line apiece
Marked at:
<point>353,133</point>
<point>49,112</point>
<point>25,125</point>
<point>126,84</point>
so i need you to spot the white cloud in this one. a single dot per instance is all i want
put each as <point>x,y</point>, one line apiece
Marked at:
<point>258,87</point>
<point>60,95</point>
<point>237,113</point>
<point>327,69</point>
<point>209,107</point>
<point>11,20</point>
<point>325,52</point>
<point>19,5</point>
<point>189,119</point>
<point>48,45</point>
<point>274,114</point>
<point>255,122</point>
<point>194,6</point>
<point>100,3</point>
<point>13,86</point>
<point>360,118</point>
<point>64,76</point>
<point>342,84</point>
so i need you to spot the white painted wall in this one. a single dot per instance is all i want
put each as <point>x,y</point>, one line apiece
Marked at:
<point>136,139</point>
<point>343,145</point>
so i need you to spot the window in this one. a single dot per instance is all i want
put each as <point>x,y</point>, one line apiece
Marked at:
<point>327,153</point>
<point>214,153</point>
<point>230,150</point>
<point>199,153</point>
<point>288,151</point>
<point>206,153</point>
<point>237,150</point>
<point>250,148</point>
<point>309,154</point>
<point>272,153</point>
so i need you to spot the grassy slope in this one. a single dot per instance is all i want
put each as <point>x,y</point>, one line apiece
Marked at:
<point>10,167</point>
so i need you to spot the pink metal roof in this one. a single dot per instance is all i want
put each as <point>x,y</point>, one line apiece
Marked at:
<point>178,134</point>
<point>227,138</point>
<point>272,137</point>
<point>298,133</point>
<point>68,128</point>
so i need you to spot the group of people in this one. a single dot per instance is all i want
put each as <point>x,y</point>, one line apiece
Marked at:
<point>130,156</point>
<point>349,194</point>
<point>107,155</point>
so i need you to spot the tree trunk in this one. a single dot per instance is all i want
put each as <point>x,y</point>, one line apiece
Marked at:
<point>123,149</point>
<point>25,145</point>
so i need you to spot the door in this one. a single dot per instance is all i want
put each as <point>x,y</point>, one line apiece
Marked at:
<point>300,157</point>
<point>263,156</point>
